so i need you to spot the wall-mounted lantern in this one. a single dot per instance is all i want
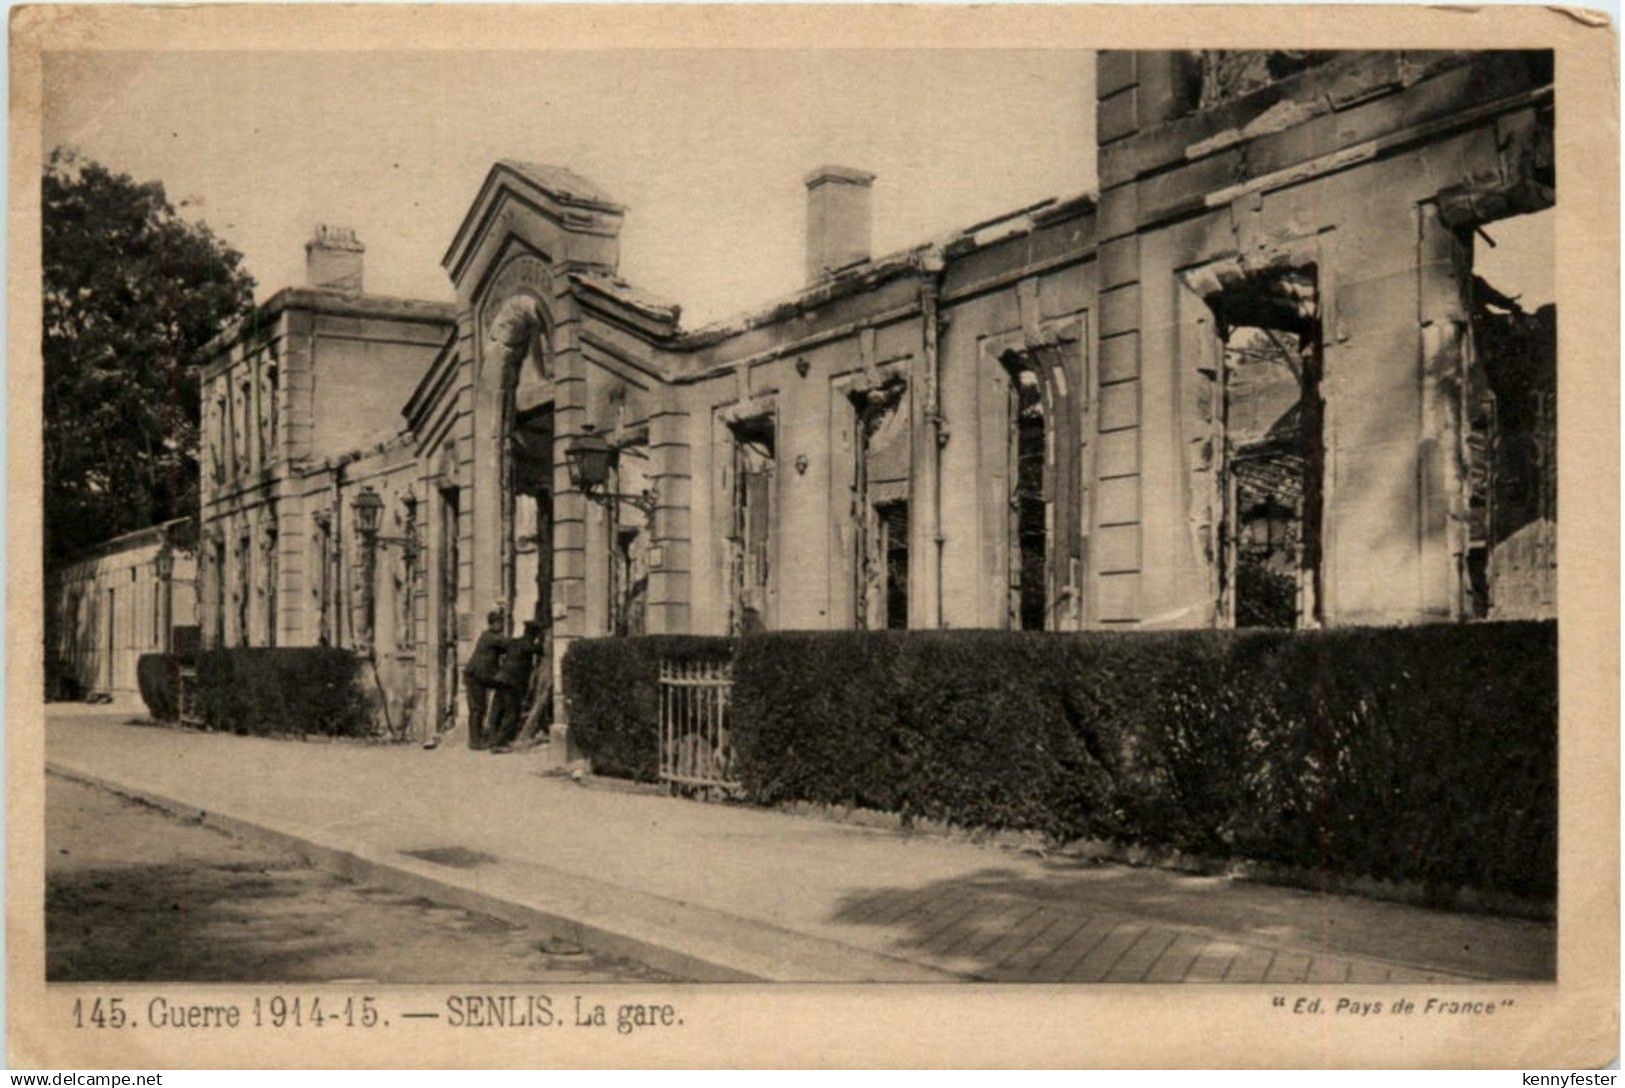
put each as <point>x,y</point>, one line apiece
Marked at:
<point>591,459</point>
<point>164,562</point>
<point>367,506</point>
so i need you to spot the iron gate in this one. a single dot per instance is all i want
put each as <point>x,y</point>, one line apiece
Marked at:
<point>695,750</point>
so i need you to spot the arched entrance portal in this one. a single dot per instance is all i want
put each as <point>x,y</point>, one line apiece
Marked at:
<point>518,345</point>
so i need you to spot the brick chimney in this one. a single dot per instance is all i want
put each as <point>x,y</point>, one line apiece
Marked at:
<point>838,219</point>
<point>333,260</point>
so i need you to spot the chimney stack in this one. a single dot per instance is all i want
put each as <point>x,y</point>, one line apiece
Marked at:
<point>838,219</point>
<point>333,260</point>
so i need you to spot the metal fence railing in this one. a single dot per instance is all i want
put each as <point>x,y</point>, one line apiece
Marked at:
<point>695,751</point>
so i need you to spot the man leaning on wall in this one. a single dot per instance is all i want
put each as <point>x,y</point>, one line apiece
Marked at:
<point>513,681</point>
<point>478,677</point>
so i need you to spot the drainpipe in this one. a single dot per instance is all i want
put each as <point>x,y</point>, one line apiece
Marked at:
<point>933,265</point>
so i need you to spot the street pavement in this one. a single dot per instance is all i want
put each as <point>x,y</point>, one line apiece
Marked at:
<point>133,894</point>
<point>713,891</point>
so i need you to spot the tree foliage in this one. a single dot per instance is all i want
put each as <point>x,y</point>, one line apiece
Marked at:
<point>132,292</point>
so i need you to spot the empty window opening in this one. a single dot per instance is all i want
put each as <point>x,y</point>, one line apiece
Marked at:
<point>1510,439</point>
<point>268,414</point>
<point>321,564</point>
<point>881,499</point>
<point>244,591</point>
<point>269,581</point>
<point>751,533</point>
<point>631,595</point>
<point>1220,75</point>
<point>219,438</point>
<point>629,542</point>
<point>1274,452</point>
<point>535,578</point>
<point>531,450</point>
<point>530,555</point>
<point>449,576</point>
<point>218,572</point>
<point>233,424</point>
<point>406,577</point>
<point>245,433</point>
<point>541,517</point>
<point>1030,514</point>
<point>891,518</point>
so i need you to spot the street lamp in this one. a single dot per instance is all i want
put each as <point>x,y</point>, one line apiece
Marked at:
<point>366,507</point>
<point>590,459</point>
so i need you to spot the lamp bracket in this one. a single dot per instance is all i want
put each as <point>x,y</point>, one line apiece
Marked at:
<point>643,501</point>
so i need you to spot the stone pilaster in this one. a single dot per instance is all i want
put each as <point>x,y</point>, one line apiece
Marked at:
<point>570,509</point>
<point>1135,90</point>
<point>670,570</point>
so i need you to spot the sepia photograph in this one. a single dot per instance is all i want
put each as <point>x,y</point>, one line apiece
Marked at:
<point>520,519</point>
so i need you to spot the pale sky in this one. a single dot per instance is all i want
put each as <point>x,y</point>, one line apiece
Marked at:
<point>1523,261</point>
<point>706,148</point>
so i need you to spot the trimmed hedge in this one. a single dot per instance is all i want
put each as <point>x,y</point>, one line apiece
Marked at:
<point>612,692</point>
<point>283,690</point>
<point>1422,754</point>
<point>996,729</point>
<point>1425,753</point>
<point>157,676</point>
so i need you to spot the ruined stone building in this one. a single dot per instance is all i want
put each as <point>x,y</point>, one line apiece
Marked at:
<point>1254,381</point>
<point>300,415</point>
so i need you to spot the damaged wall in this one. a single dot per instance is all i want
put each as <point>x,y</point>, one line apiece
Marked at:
<point>1353,174</point>
<point>1046,420</point>
<point>286,403</point>
<point>1344,170</point>
<point>1512,451</point>
<point>1027,291</point>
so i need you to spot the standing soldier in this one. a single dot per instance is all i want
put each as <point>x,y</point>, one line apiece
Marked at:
<point>480,674</point>
<point>512,681</point>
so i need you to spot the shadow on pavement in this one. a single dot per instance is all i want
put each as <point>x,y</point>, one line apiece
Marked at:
<point>1084,921</point>
<point>183,922</point>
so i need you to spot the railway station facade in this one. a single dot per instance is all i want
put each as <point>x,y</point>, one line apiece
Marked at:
<point>1254,380</point>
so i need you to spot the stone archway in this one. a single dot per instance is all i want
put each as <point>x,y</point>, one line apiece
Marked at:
<point>518,332</point>
<point>513,522</point>
<point>508,260</point>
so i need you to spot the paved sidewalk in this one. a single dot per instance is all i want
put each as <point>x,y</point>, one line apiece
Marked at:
<point>725,892</point>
